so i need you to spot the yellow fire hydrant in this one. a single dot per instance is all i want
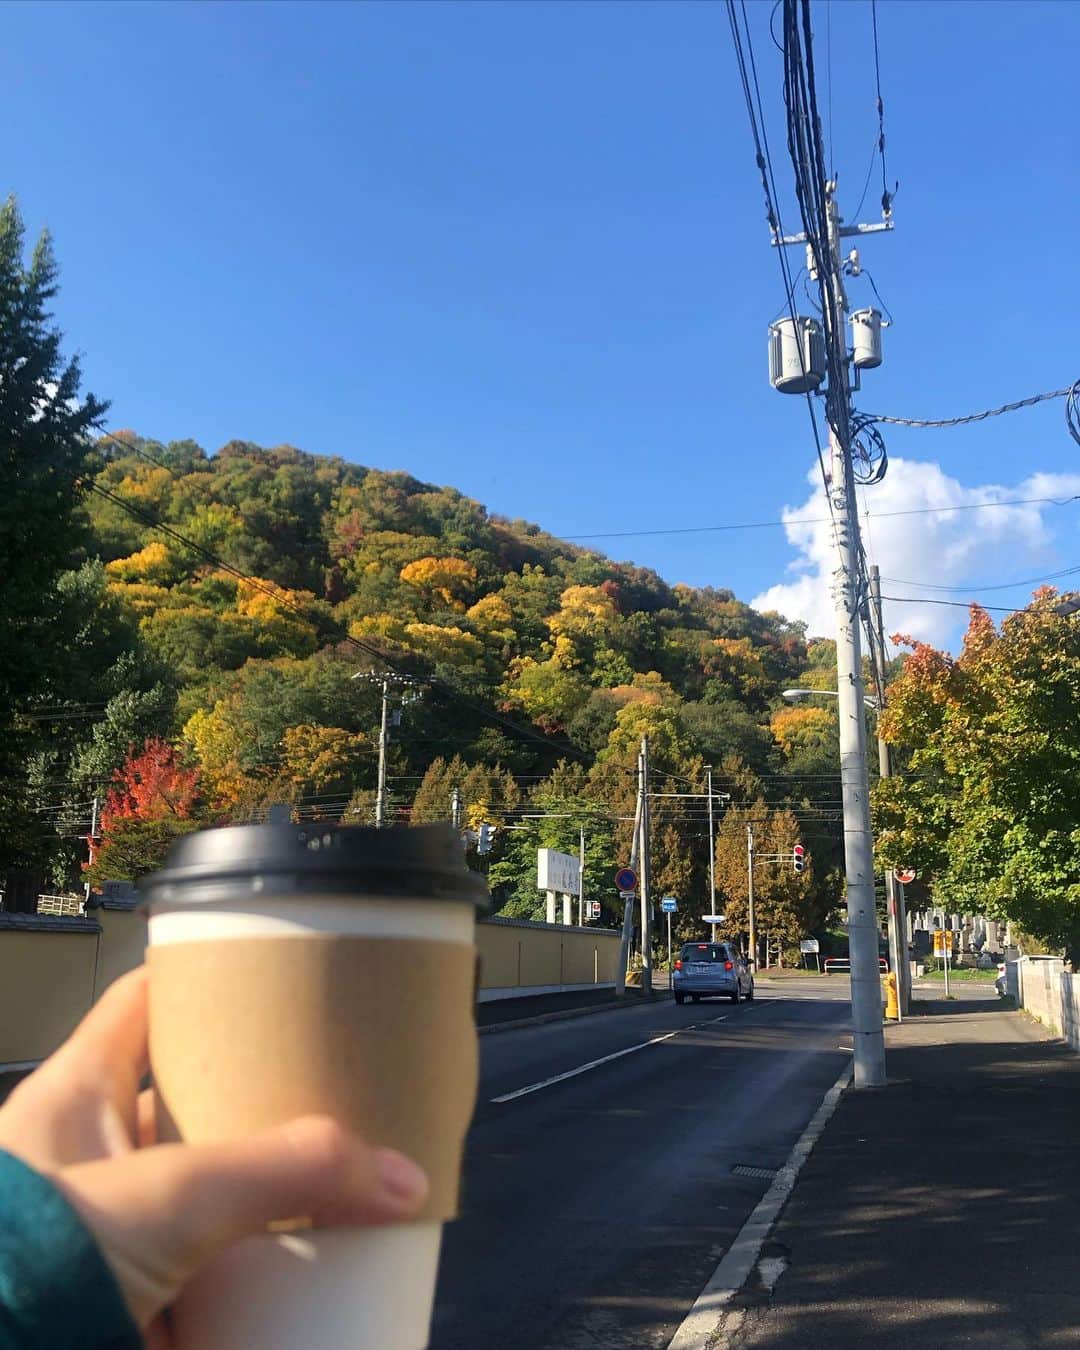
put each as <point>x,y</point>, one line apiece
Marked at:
<point>892,1002</point>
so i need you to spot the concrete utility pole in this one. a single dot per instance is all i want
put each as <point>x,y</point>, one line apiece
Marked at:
<point>455,808</point>
<point>384,741</point>
<point>644,860</point>
<point>581,882</point>
<point>712,851</point>
<point>868,1038</point>
<point>750,918</point>
<point>894,892</point>
<point>386,682</point>
<point>91,844</point>
<point>628,905</point>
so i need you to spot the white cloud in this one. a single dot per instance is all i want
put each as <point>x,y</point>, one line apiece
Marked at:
<point>947,548</point>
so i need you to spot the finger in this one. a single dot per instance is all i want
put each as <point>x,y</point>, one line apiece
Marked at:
<point>157,1335</point>
<point>158,1214</point>
<point>80,1104</point>
<point>112,1039</point>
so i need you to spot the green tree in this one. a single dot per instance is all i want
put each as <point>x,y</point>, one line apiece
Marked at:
<point>988,807</point>
<point>44,425</point>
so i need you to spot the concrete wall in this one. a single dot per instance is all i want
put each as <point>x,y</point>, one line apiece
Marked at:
<point>1040,989</point>
<point>46,982</point>
<point>519,957</point>
<point>1049,993</point>
<point>52,969</point>
<point>121,946</point>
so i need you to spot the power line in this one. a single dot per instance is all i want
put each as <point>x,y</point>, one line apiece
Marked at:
<point>768,178</point>
<point>974,417</point>
<point>999,586</point>
<point>886,195</point>
<point>956,604</point>
<point>826,520</point>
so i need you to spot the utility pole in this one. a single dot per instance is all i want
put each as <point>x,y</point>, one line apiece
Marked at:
<point>868,1037</point>
<point>712,852</point>
<point>581,882</point>
<point>455,808</point>
<point>644,863</point>
<point>751,924</point>
<point>384,741</point>
<point>386,682</point>
<point>91,844</point>
<point>628,904</point>
<point>894,892</point>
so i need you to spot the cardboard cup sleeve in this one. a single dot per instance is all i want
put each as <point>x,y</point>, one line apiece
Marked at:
<point>376,1032</point>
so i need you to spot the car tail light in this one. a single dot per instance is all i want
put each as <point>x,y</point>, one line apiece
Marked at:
<point>678,965</point>
<point>729,965</point>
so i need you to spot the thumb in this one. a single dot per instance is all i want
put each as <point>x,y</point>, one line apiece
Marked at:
<point>159,1213</point>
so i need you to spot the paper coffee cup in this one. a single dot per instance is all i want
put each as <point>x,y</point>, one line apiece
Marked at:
<point>332,970</point>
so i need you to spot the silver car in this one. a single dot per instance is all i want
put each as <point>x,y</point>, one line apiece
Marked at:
<point>711,970</point>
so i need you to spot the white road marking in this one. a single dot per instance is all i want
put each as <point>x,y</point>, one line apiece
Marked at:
<point>605,1059</point>
<point>699,1328</point>
<point>630,1050</point>
<point>584,1068</point>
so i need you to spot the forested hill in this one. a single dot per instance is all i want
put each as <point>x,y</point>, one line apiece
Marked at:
<point>224,602</point>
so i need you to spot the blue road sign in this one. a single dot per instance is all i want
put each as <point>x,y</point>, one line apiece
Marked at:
<point>626,879</point>
<point>669,904</point>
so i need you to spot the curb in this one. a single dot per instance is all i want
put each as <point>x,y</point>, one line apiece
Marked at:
<point>701,1324</point>
<point>565,1014</point>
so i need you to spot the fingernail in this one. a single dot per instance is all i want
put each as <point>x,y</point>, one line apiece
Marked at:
<point>401,1180</point>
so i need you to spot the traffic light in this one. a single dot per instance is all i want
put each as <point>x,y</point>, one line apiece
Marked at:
<point>484,838</point>
<point>798,857</point>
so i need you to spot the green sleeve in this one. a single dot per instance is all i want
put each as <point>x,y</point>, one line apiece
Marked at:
<point>56,1290</point>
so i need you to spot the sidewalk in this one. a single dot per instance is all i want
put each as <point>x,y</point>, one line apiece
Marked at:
<point>940,1212</point>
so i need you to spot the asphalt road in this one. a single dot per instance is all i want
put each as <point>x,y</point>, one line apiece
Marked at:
<point>597,1206</point>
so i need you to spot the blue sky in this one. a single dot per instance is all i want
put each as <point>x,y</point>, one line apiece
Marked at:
<point>520,248</point>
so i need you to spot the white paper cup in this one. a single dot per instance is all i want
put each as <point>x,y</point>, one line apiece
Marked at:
<point>328,1289</point>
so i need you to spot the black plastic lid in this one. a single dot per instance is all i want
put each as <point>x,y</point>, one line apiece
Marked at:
<point>424,862</point>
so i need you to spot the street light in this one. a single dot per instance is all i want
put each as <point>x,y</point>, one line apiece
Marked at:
<point>793,695</point>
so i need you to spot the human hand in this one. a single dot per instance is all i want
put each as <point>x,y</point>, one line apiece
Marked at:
<point>159,1211</point>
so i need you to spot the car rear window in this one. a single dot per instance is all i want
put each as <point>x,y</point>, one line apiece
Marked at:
<point>704,951</point>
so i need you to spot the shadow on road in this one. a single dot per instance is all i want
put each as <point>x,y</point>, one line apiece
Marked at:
<point>940,1211</point>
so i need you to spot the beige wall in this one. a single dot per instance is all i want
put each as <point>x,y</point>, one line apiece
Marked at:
<point>50,977</point>
<point>515,953</point>
<point>121,946</point>
<point>46,984</point>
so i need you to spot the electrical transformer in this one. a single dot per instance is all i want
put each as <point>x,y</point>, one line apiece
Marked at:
<point>796,355</point>
<point>866,338</point>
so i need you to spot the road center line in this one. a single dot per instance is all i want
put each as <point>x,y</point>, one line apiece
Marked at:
<point>618,1054</point>
<point>582,1068</point>
<point>595,1063</point>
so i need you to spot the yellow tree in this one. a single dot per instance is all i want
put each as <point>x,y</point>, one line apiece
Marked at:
<point>153,564</point>
<point>781,894</point>
<point>447,579</point>
<point>584,611</point>
<point>219,747</point>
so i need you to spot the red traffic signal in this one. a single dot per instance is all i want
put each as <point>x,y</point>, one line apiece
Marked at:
<point>798,857</point>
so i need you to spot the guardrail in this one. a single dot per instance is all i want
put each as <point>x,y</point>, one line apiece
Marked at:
<point>843,964</point>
